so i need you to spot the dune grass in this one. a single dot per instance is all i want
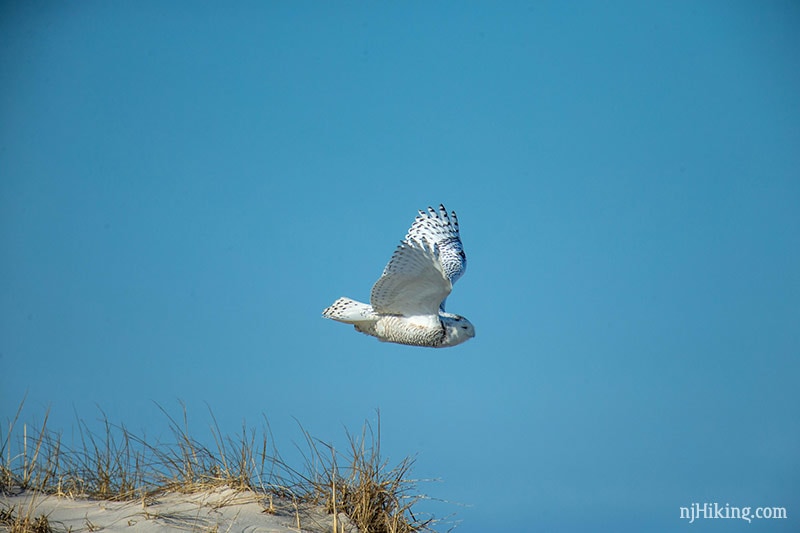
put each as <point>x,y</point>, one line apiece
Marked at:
<point>120,465</point>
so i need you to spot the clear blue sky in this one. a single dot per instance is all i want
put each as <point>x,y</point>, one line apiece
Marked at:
<point>185,186</point>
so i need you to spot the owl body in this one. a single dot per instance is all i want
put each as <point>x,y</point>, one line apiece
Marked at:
<point>407,303</point>
<point>415,331</point>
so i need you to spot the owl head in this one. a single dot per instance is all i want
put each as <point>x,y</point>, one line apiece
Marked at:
<point>457,329</point>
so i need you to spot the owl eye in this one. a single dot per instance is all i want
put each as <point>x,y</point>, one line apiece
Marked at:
<point>464,327</point>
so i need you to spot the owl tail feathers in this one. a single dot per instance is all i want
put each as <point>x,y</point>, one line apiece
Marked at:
<point>350,311</point>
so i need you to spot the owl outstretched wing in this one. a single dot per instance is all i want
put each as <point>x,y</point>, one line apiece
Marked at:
<point>441,229</point>
<point>413,283</point>
<point>423,269</point>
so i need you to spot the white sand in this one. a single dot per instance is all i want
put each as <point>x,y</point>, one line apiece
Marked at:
<point>221,510</point>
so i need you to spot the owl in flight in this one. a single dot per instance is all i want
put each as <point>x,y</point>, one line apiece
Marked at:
<point>407,302</point>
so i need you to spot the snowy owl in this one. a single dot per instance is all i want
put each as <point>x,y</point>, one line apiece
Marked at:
<point>407,302</point>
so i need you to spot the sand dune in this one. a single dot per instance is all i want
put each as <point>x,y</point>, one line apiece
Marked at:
<point>219,510</point>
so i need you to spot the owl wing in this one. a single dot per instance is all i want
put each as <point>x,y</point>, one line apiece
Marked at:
<point>441,229</point>
<point>413,283</point>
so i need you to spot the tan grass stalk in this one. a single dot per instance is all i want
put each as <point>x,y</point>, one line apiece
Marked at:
<point>119,465</point>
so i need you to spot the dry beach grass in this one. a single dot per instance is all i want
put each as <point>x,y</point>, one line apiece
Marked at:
<point>183,484</point>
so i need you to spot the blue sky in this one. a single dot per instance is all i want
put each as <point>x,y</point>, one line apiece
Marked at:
<point>185,186</point>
